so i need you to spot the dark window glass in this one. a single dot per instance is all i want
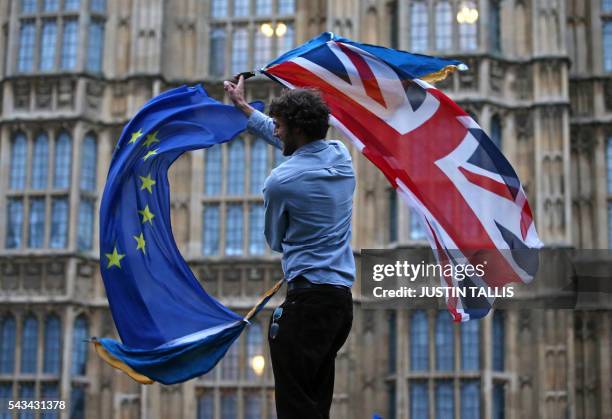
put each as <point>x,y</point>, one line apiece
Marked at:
<point>14,223</point>
<point>241,8</point>
<point>63,161</point>
<point>19,157</point>
<point>210,230</point>
<point>217,53</point>
<point>240,50</point>
<point>419,342</point>
<point>40,162</point>
<point>218,8</point>
<point>206,406</point>
<point>470,399</point>
<point>495,26</point>
<point>59,223</point>
<point>89,164</point>
<point>28,6</point>
<point>235,167</point>
<point>29,345</point>
<point>256,229</point>
<point>286,7</point>
<point>445,342</point>
<point>444,26</point>
<point>37,223</point>
<point>498,341</point>
<point>419,400</point>
<point>95,46</point>
<point>7,344</point>
<point>470,345</point>
<point>70,44</point>
<point>25,59</point>
<point>229,405</point>
<point>254,352</point>
<point>419,31</point>
<point>259,165</point>
<point>80,346</point>
<point>47,45</point>
<point>85,226</point>
<point>212,171</point>
<point>445,403</point>
<point>499,401</point>
<point>233,230</point>
<point>263,7</point>
<point>53,342</point>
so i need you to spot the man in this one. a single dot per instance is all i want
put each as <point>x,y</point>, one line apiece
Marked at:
<point>308,206</point>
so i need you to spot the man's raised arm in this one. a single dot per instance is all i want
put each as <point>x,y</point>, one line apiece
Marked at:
<point>259,124</point>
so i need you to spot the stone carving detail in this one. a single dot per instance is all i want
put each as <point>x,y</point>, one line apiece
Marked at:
<point>33,276</point>
<point>65,93</point>
<point>85,270</point>
<point>608,94</point>
<point>496,81</point>
<point>44,95</point>
<point>523,124</point>
<point>93,93</point>
<point>9,276</point>
<point>21,94</point>
<point>523,82</point>
<point>119,107</point>
<point>469,79</point>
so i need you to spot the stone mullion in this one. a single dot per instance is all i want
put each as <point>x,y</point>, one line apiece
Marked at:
<point>5,153</point>
<point>486,389</point>
<point>74,195</point>
<point>51,137</point>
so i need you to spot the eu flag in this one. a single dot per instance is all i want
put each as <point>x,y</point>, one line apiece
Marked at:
<point>170,328</point>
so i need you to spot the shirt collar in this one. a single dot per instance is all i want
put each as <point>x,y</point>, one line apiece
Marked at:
<point>311,147</point>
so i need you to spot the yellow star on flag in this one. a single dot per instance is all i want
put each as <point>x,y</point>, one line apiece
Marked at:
<point>149,154</point>
<point>114,259</point>
<point>147,215</point>
<point>140,242</point>
<point>151,138</point>
<point>147,182</point>
<point>135,136</point>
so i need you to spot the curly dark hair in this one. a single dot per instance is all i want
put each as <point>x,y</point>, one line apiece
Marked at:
<point>304,110</point>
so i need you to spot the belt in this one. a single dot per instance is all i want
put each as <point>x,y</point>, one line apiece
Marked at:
<point>299,282</point>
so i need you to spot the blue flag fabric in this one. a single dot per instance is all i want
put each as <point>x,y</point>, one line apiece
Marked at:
<point>171,329</point>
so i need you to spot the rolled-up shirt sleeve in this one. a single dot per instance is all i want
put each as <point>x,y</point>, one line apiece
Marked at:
<point>262,126</point>
<point>275,213</point>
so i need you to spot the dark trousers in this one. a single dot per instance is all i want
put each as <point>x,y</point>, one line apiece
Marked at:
<point>312,328</point>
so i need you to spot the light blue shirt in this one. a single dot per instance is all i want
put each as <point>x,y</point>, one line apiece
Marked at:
<point>308,202</point>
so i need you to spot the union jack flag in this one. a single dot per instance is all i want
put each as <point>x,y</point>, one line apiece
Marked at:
<point>466,194</point>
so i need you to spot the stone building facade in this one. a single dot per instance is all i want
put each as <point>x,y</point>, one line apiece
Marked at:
<point>72,72</point>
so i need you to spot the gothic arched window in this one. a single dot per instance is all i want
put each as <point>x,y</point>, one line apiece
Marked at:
<point>419,342</point>
<point>419,26</point>
<point>498,340</point>
<point>63,161</point>
<point>29,345</point>
<point>52,347</point>
<point>496,131</point>
<point>495,26</point>
<point>40,162</point>
<point>19,158</point>
<point>470,345</point>
<point>445,342</point>
<point>7,344</point>
<point>254,351</point>
<point>444,25</point>
<point>89,163</point>
<point>80,346</point>
<point>212,171</point>
<point>235,167</point>
<point>259,165</point>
